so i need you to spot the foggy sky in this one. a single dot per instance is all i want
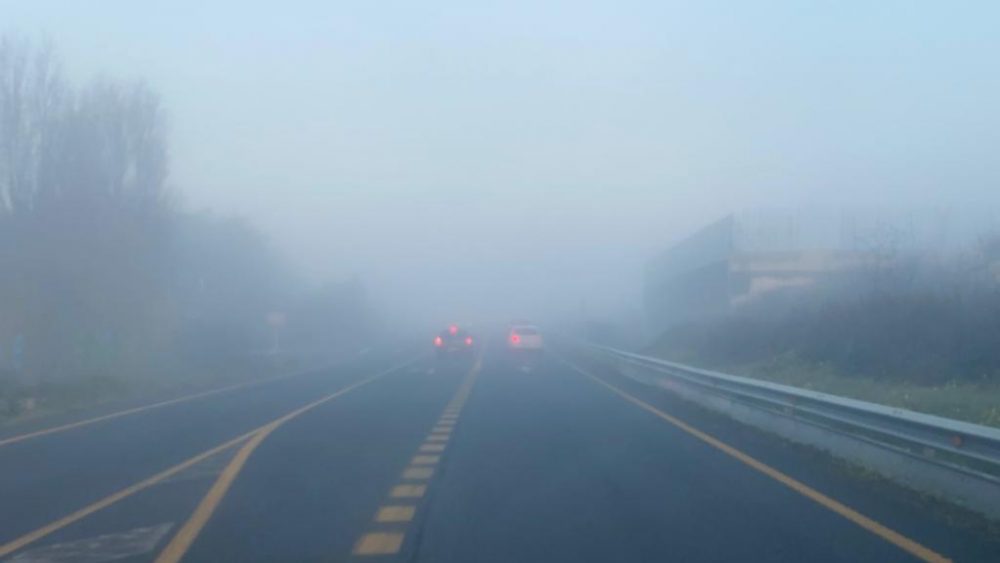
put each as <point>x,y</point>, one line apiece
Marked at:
<point>527,157</point>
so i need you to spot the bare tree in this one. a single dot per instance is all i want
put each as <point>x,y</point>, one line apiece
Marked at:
<point>32,95</point>
<point>110,148</point>
<point>99,275</point>
<point>83,222</point>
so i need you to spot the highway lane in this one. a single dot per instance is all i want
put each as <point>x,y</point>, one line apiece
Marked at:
<point>546,465</point>
<point>492,462</point>
<point>316,484</point>
<point>551,466</point>
<point>49,476</point>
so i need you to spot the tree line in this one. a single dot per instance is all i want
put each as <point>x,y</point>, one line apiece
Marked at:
<point>102,274</point>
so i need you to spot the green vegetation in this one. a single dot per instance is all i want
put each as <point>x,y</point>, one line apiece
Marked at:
<point>920,334</point>
<point>21,401</point>
<point>973,402</point>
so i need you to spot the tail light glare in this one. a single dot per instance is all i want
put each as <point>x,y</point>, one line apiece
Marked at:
<point>453,330</point>
<point>468,341</point>
<point>515,338</point>
<point>438,341</point>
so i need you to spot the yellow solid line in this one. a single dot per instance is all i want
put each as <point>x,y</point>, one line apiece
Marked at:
<point>182,541</point>
<point>379,543</point>
<point>388,514</point>
<point>61,523</point>
<point>889,535</point>
<point>408,491</point>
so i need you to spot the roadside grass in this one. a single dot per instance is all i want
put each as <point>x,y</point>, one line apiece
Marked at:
<point>22,402</point>
<point>978,403</point>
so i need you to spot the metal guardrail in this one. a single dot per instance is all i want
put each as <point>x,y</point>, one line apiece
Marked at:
<point>969,450</point>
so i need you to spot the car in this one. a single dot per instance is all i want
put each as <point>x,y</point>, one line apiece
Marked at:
<point>525,337</point>
<point>454,341</point>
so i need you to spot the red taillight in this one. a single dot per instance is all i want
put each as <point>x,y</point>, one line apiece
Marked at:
<point>438,341</point>
<point>453,330</point>
<point>515,338</point>
<point>468,341</point>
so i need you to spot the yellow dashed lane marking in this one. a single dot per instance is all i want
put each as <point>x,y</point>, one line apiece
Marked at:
<point>379,543</point>
<point>418,473</point>
<point>395,514</point>
<point>889,535</point>
<point>408,491</point>
<point>389,543</point>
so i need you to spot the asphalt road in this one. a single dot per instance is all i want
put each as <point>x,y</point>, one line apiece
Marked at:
<point>492,458</point>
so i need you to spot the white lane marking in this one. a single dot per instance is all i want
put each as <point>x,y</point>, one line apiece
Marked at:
<point>97,549</point>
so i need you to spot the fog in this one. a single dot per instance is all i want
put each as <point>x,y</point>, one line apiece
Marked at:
<point>499,281</point>
<point>478,162</point>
